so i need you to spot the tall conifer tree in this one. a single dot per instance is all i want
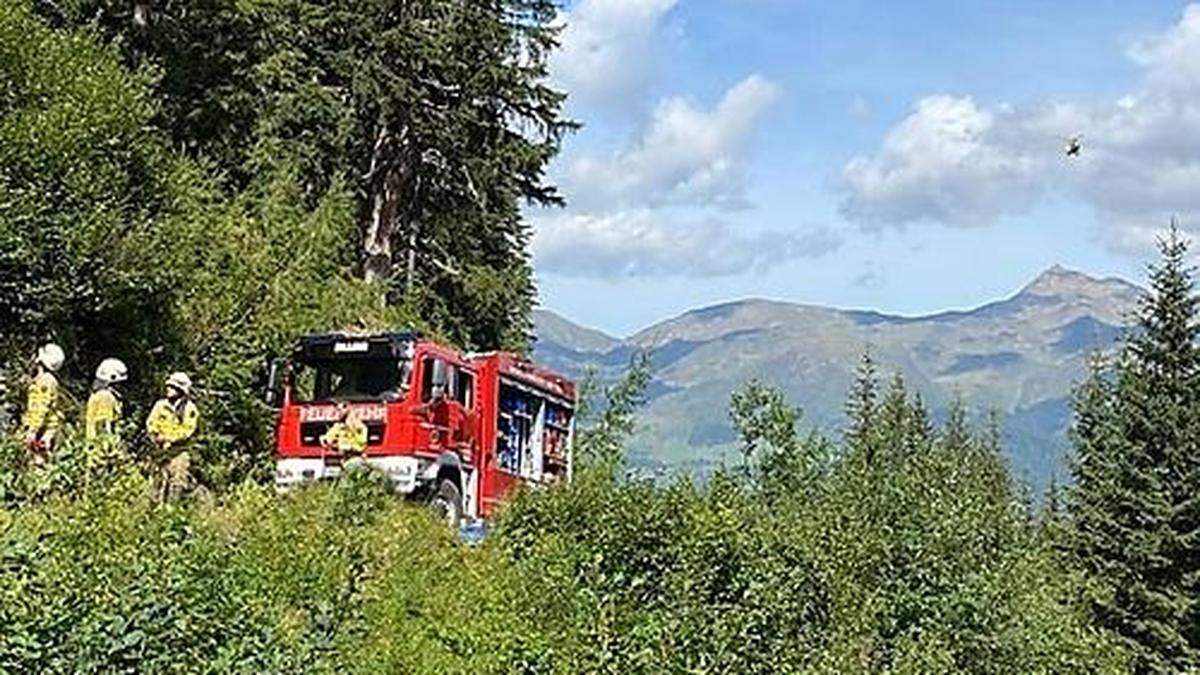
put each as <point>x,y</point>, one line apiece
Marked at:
<point>1133,510</point>
<point>862,407</point>
<point>956,434</point>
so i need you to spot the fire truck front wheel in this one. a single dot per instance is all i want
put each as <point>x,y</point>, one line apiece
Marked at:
<point>446,502</point>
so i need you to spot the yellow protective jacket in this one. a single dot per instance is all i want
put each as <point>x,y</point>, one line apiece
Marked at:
<point>102,413</point>
<point>41,409</point>
<point>169,425</point>
<point>348,437</point>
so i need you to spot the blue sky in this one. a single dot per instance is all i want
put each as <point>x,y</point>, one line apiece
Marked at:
<point>904,157</point>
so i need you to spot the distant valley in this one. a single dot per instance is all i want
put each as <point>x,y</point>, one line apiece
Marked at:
<point>1020,356</point>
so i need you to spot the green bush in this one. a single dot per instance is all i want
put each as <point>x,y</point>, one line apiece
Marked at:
<point>646,579</point>
<point>116,246</point>
<point>925,562</point>
<point>918,576</point>
<point>327,580</point>
<point>905,550</point>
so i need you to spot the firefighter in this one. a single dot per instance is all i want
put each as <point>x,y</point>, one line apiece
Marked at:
<point>42,415</point>
<point>102,415</point>
<point>348,435</point>
<point>171,424</point>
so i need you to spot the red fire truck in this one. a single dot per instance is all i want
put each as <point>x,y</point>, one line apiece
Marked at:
<point>459,431</point>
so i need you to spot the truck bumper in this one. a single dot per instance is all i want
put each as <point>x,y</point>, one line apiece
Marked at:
<point>404,473</point>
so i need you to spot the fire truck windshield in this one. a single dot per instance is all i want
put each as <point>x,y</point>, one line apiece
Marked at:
<point>349,379</point>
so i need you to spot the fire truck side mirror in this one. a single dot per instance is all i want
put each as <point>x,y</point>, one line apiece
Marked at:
<point>275,380</point>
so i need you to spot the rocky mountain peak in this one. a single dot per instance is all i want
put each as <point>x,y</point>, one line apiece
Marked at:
<point>1058,280</point>
<point>1062,282</point>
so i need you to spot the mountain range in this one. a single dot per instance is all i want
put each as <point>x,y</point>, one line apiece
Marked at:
<point>1020,356</point>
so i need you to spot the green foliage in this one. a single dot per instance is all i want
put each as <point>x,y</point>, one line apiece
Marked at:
<point>327,580</point>
<point>861,406</point>
<point>928,563</point>
<point>436,116</point>
<point>773,453</point>
<point>676,580</point>
<point>82,179</point>
<point>606,419</point>
<point>1135,514</point>
<point>903,422</point>
<point>923,564</point>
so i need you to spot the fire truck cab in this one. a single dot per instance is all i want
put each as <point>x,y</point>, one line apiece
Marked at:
<point>461,431</point>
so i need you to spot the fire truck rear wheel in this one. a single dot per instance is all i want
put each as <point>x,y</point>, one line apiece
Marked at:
<point>447,503</point>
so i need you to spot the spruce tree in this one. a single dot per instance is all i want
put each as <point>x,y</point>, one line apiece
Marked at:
<point>1135,437</point>
<point>956,434</point>
<point>920,426</point>
<point>1052,515</point>
<point>993,436</point>
<point>902,424</point>
<point>862,408</point>
<point>435,120</point>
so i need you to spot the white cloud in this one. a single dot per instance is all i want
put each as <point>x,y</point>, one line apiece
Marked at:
<point>685,155</point>
<point>643,242</point>
<point>941,163</point>
<point>657,205</point>
<point>962,164</point>
<point>610,49</point>
<point>623,216</point>
<point>1171,58</point>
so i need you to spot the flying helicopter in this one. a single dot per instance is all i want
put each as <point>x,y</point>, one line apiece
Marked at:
<point>1074,145</point>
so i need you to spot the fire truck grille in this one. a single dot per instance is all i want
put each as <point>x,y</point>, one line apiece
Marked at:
<point>311,433</point>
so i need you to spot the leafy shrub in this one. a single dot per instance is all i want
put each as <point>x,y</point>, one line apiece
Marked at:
<point>916,561</point>
<point>112,582</point>
<point>910,551</point>
<point>647,579</point>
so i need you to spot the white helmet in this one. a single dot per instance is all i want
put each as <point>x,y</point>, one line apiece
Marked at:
<point>51,356</point>
<point>182,382</point>
<point>112,371</point>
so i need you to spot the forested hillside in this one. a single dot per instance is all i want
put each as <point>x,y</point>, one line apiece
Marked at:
<point>1020,357</point>
<point>190,185</point>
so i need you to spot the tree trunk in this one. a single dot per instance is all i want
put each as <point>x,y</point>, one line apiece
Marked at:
<point>386,179</point>
<point>141,14</point>
<point>411,274</point>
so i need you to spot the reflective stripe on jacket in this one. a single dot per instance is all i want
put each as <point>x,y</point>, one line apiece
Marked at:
<point>348,437</point>
<point>103,411</point>
<point>41,409</point>
<point>168,426</point>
